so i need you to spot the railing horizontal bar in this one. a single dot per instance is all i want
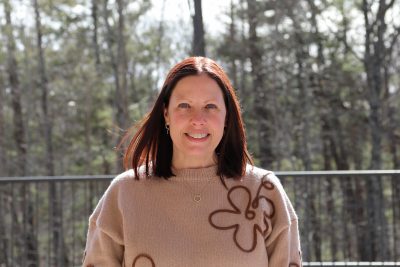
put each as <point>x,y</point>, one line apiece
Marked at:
<point>337,173</point>
<point>55,178</point>
<point>281,174</point>
<point>360,264</point>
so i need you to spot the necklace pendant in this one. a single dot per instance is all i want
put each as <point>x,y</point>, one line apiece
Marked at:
<point>197,197</point>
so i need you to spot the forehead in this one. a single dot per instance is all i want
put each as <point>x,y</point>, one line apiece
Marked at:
<point>197,87</point>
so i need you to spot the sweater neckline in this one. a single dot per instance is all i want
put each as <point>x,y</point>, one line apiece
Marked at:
<point>196,173</point>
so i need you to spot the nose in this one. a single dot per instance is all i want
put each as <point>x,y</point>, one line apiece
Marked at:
<point>198,117</point>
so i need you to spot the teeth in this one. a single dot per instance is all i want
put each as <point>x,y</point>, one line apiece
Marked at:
<point>197,136</point>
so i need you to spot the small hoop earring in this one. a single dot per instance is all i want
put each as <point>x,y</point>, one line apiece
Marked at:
<point>167,128</point>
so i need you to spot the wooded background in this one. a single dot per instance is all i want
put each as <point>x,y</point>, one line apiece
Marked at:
<point>318,82</point>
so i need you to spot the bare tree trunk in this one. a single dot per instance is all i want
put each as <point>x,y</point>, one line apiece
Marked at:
<point>232,38</point>
<point>43,82</point>
<point>95,40</point>
<point>19,130</point>
<point>395,184</point>
<point>311,224</point>
<point>88,108</point>
<point>121,94</point>
<point>16,228</point>
<point>340,154</point>
<point>30,234</point>
<point>305,106</point>
<point>374,56</point>
<point>4,243</point>
<point>59,252</point>
<point>394,141</point>
<point>105,162</point>
<point>261,103</point>
<point>30,249</point>
<point>3,157</point>
<point>122,99</point>
<point>396,216</point>
<point>30,96</point>
<point>110,38</point>
<point>198,45</point>
<point>305,103</point>
<point>326,130</point>
<point>160,41</point>
<point>333,238</point>
<point>88,130</point>
<point>352,209</point>
<point>119,67</point>
<point>243,56</point>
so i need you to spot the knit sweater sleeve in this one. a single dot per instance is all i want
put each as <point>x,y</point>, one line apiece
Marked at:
<point>283,245</point>
<point>104,245</point>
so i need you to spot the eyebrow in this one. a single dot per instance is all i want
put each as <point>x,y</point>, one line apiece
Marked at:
<point>180,98</point>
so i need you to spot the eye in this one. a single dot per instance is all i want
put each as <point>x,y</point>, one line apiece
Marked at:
<point>183,105</point>
<point>211,106</point>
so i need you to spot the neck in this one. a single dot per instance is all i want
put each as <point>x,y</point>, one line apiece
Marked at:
<point>193,163</point>
<point>206,173</point>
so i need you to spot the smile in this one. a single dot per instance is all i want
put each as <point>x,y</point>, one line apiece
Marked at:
<point>198,135</point>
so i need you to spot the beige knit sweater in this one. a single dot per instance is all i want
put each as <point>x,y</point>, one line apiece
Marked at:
<point>193,220</point>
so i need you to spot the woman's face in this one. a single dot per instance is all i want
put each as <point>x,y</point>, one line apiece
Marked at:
<point>196,117</point>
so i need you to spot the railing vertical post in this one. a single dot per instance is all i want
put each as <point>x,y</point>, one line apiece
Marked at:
<point>395,209</point>
<point>23,222</point>
<point>74,219</point>
<point>36,218</point>
<point>13,239</point>
<point>318,219</point>
<point>50,227</point>
<point>3,222</point>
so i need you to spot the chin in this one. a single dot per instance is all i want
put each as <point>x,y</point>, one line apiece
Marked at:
<point>200,154</point>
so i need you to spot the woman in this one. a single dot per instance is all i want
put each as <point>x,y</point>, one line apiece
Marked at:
<point>192,196</point>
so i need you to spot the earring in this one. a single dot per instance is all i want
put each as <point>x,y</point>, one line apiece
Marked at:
<point>167,128</point>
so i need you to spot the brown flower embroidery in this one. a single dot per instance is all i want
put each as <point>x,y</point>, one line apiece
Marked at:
<point>143,259</point>
<point>245,207</point>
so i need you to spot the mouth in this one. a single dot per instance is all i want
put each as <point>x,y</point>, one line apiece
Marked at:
<point>197,136</point>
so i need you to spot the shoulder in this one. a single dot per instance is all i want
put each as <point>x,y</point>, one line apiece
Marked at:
<point>126,175</point>
<point>130,176</point>
<point>259,174</point>
<point>124,183</point>
<point>121,189</point>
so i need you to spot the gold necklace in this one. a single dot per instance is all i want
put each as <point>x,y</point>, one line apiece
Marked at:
<point>197,196</point>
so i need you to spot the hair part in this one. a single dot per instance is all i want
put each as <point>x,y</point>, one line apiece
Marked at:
<point>151,147</point>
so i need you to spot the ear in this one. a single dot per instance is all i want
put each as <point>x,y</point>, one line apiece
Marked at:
<point>166,117</point>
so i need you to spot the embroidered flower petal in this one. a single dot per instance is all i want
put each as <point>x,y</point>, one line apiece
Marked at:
<point>246,236</point>
<point>224,219</point>
<point>240,198</point>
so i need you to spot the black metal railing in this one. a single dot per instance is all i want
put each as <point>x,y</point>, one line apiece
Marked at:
<point>347,218</point>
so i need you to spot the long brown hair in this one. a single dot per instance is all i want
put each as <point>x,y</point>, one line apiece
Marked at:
<point>151,146</point>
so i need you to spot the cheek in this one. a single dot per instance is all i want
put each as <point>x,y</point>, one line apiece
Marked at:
<point>177,123</point>
<point>177,119</point>
<point>219,122</point>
